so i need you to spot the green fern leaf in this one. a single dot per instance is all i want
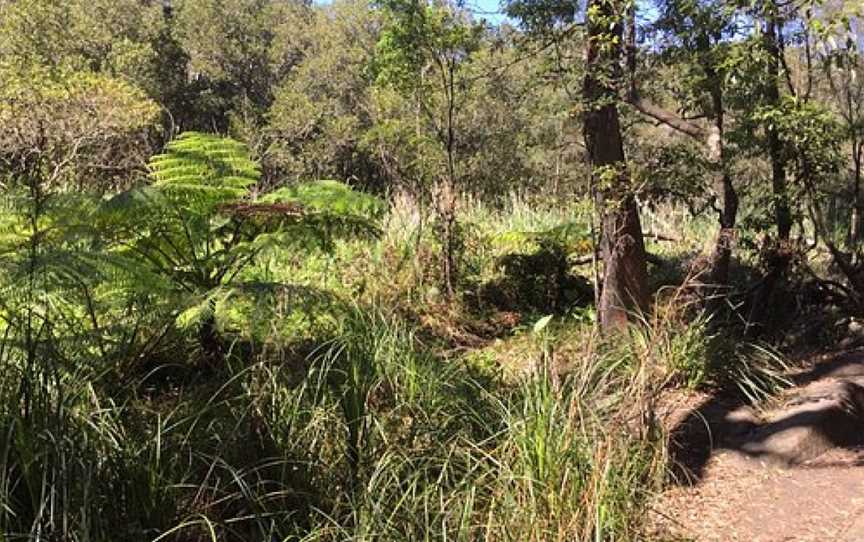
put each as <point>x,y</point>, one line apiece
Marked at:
<point>204,170</point>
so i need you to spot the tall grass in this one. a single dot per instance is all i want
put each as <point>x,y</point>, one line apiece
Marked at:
<point>374,438</point>
<point>357,425</point>
<point>425,450</point>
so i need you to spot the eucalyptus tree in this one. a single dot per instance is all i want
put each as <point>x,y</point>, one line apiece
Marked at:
<point>624,289</point>
<point>799,134</point>
<point>225,50</point>
<point>822,125</point>
<point>321,115</point>
<point>695,39</point>
<point>97,35</point>
<point>422,53</point>
<point>623,249</point>
<point>842,63</point>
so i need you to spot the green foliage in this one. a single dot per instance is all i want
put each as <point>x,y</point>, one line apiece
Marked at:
<point>811,135</point>
<point>71,128</point>
<point>231,65</point>
<point>94,35</point>
<point>423,52</point>
<point>693,354</point>
<point>328,196</point>
<point>321,113</point>
<point>200,172</point>
<point>349,402</point>
<point>424,451</point>
<point>418,34</point>
<point>675,172</point>
<point>196,227</point>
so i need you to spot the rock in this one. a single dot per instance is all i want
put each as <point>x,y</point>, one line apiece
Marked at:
<point>739,422</point>
<point>850,364</point>
<point>854,334</point>
<point>823,415</point>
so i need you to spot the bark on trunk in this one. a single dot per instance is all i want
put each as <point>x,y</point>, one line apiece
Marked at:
<point>625,275</point>
<point>783,215</point>
<point>724,191</point>
<point>855,221</point>
<point>446,194</point>
<point>446,217</point>
<point>624,290</point>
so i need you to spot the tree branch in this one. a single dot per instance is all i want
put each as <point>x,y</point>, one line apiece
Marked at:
<point>668,118</point>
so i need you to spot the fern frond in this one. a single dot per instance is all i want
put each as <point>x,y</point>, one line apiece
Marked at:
<point>328,196</point>
<point>203,309</point>
<point>204,169</point>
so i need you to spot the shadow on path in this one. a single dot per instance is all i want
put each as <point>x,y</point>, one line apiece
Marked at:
<point>829,413</point>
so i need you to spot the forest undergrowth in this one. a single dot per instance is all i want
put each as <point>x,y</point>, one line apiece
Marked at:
<point>375,412</point>
<point>404,270</point>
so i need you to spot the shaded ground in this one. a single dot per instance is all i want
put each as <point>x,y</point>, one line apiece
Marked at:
<point>745,500</point>
<point>826,405</point>
<point>793,473</point>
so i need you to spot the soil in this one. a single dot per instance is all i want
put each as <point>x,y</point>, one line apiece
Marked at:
<point>741,499</point>
<point>726,493</point>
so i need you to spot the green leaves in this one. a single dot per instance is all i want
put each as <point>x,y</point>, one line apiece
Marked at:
<point>541,324</point>
<point>198,226</point>
<point>327,196</point>
<point>417,35</point>
<point>204,170</point>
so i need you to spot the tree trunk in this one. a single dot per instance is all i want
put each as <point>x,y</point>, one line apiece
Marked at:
<point>445,208</point>
<point>445,197</point>
<point>855,221</point>
<point>775,255</point>
<point>724,191</point>
<point>782,213</point>
<point>625,274</point>
<point>727,200</point>
<point>721,184</point>
<point>210,342</point>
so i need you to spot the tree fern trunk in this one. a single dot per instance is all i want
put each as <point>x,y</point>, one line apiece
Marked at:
<point>210,342</point>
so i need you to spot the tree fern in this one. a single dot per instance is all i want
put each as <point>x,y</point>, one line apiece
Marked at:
<point>201,171</point>
<point>197,225</point>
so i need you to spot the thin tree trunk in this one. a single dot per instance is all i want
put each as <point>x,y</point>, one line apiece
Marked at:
<point>855,222</point>
<point>727,200</point>
<point>625,274</point>
<point>724,190</point>
<point>776,256</point>
<point>447,193</point>
<point>446,211</point>
<point>782,213</point>
<point>721,183</point>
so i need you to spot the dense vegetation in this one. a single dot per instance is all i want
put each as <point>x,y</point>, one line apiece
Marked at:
<point>386,271</point>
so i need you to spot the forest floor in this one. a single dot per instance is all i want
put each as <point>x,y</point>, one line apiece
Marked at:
<point>790,471</point>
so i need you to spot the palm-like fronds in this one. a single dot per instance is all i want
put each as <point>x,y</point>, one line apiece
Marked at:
<point>200,171</point>
<point>198,225</point>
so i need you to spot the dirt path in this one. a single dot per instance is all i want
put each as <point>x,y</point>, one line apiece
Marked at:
<point>794,474</point>
<point>745,500</point>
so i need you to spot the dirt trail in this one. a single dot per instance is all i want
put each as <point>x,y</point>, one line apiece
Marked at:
<point>795,473</point>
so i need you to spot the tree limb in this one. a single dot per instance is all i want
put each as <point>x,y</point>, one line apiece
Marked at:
<point>668,118</point>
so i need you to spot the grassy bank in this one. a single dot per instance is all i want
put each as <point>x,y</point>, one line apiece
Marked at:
<point>371,410</point>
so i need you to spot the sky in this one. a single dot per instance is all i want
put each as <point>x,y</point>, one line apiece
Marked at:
<point>492,12</point>
<point>483,9</point>
<point>486,9</point>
